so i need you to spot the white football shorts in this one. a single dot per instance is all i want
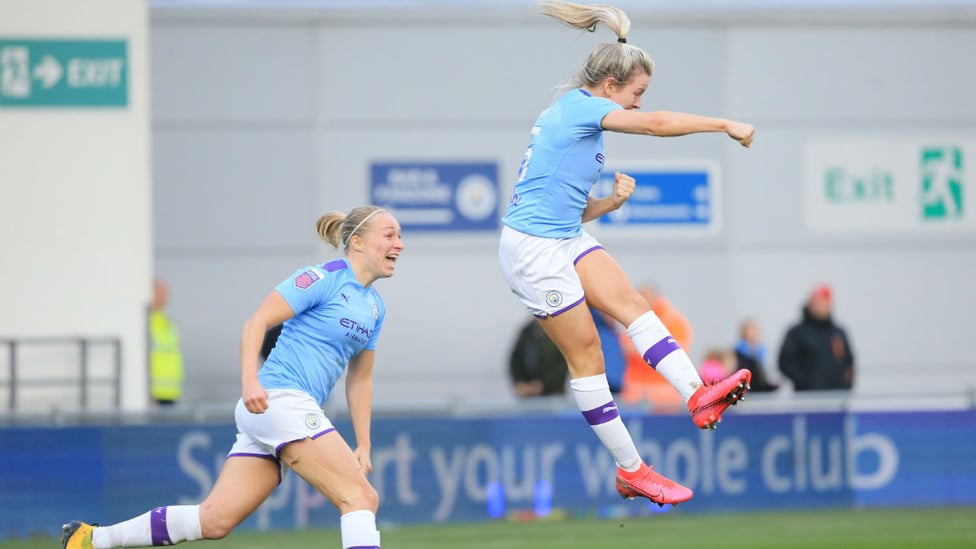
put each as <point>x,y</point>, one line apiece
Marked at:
<point>542,271</point>
<point>291,416</point>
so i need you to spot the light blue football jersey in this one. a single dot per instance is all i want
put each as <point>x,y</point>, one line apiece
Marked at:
<point>335,318</point>
<point>562,163</point>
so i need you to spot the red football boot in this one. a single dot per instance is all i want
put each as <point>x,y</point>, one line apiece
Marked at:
<point>645,483</point>
<point>709,401</point>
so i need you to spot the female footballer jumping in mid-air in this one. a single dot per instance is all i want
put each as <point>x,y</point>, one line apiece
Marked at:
<point>556,268</point>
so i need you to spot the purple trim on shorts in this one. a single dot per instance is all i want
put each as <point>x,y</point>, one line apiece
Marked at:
<point>325,432</point>
<point>247,455</point>
<point>157,527</point>
<point>564,309</point>
<point>365,547</point>
<point>602,414</point>
<point>582,255</point>
<point>262,456</point>
<point>313,437</point>
<point>659,350</point>
<point>286,443</point>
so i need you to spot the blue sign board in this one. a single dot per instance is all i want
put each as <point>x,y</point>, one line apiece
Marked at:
<point>468,469</point>
<point>664,196</point>
<point>64,73</point>
<point>438,196</point>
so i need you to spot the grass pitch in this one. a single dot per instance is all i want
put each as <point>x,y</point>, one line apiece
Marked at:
<point>944,528</point>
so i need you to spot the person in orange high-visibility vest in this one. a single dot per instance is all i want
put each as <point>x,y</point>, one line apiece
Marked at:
<point>165,356</point>
<point>641,382</point>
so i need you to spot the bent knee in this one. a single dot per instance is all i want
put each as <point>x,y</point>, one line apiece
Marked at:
<point>365,499</point>
<point>370,499</point>
<point>215,529</point>
<point>213,525</point>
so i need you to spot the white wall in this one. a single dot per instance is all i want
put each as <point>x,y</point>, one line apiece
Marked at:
<point>263,120</point>
<point>75,205</point>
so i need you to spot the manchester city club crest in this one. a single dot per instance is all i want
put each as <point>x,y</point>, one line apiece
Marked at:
<point>554,298</point>
<point>313,421</point>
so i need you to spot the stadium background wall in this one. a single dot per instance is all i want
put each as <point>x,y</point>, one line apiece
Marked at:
<point>245,124</point>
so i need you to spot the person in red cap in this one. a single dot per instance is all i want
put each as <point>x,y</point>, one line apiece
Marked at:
<point>816,353</point>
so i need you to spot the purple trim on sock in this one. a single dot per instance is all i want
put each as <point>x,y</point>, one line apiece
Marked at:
<point>660,350</point>
<point>365,547</point>
<point>602,414</point>
<point>582,255</point>
<point>157,527</point>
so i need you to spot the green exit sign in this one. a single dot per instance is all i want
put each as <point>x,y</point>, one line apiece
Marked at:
<point>63,73</point>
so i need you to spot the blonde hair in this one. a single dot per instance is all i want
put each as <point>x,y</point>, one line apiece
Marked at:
<point>587,17</point>
<point>617,60</point>
<point>337,228</point>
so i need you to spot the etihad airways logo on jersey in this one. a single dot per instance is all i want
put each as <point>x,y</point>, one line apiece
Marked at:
<point>599,157</point>
<point>356,330</point>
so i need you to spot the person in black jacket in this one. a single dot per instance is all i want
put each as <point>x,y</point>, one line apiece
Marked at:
<point>270,338</point>
<point>535,365</point>
<point>750,353</point>
<point>816,353</point>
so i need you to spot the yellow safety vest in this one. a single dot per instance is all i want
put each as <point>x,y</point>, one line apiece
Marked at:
<point>165,359</point>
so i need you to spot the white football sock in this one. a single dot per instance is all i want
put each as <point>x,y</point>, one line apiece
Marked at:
<point>594,400</point>
<point>161,526</point>
<point>358,529</point>
<point>663,353</point>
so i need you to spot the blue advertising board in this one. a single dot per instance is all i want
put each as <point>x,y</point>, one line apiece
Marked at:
<point>438,196</point>
<point>470,469</point>
<point>665,195</point>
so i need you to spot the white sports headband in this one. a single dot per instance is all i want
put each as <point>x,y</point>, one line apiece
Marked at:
<point>360,224</point>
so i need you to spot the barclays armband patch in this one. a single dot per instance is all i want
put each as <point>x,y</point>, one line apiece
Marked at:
<point>305,280</point>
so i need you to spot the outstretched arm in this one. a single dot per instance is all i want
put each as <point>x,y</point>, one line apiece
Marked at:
<point>674,124</point>
<point>359,395</point>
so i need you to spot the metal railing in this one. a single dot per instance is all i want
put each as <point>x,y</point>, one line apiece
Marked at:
<point>74,371</point>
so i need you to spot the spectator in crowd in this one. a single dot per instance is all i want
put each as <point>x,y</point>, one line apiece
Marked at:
<point>333,316</point>
<point>641,382</point>
<point>270,338</point>
<point>718,364</point>
<point>816,352</point>
<point>165,355</point>
<point>750,353</point>
<point>613,353</point>
<point>535,365</point>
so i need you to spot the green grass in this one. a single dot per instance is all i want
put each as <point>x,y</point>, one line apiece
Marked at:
<point>947,528</point>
